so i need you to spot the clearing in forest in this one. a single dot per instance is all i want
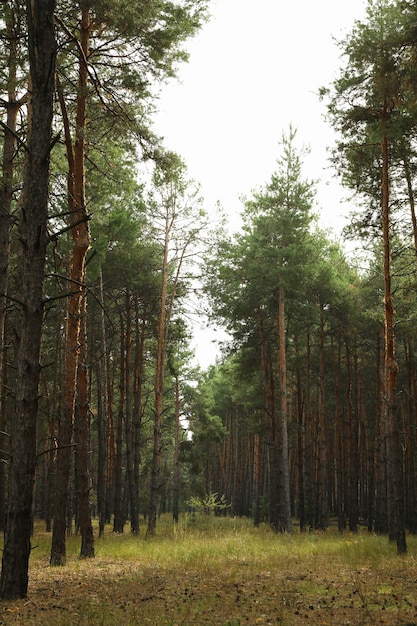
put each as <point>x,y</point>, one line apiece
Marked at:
<point>221,571</point>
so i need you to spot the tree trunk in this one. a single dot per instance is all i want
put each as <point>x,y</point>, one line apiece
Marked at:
<point>300,453</point>
<point>396,517</point>
<point>270,421</point>
<point>130,434</point>
<point>81,243</point>
<point>351,415</point>
<point>31,268</point>
<point>82,442</point>
<point>102,418</point>
<point>257,480</point>
<point>381,496</point>
<point>6,199</point>
<point>322,514</point>
<point>176,477</point>
<point>119,520</point>
<point>159,387</point>
<point>283,486</point>
<point>140,332</point>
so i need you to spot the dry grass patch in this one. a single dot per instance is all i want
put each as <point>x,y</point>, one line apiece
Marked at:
<point>221,571</point>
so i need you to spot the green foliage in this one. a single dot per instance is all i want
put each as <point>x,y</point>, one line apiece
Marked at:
<point>210,503</point>
<point>373,95</point>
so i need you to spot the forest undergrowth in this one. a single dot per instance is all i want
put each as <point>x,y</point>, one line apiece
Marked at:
<point>220,571</point>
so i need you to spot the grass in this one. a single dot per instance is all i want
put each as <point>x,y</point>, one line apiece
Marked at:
<point>221,571</point>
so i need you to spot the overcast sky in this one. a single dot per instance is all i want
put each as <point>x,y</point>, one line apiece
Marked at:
<point>254,69</point>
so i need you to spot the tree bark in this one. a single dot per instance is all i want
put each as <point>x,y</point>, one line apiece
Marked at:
<point>81,243</point>
<point>119,519</point>
<point>396,517</point>
<point>31,268</point>
<point>176,476</point>
<point>140,332</point>
<point>322,513</point>
<point>102,418</point>
<point>6,199</point>
<point>129,430</point>
<point>82,455</point>
<point>283,486</point>
<point>159,392</point>
<point>270,422</point>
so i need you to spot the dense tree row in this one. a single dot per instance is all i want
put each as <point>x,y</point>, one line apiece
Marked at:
<point>311,413</point>
<point>332,352</point>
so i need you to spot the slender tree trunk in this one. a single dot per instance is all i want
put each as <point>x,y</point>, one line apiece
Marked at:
<point>81,243</point>
<point>381,494</point>
<point>339,459</point>
<point>176,477</point>
<point>284,501</point>
<point>310,439</point>
<point>102,418</point>
<point>31,268</point>
<point>140,334</point>
<point>322,513</point>
<point>300,453</point>
<point>118,520</point>
<point>82,442</point>
<point>129,431</point>
<point>270,419</point>
<point>257,480</point>
<point>111,442</point>
<point>351,415</point>
<point>159,387</point>
<point>411,473</point>
<point>396,523</point>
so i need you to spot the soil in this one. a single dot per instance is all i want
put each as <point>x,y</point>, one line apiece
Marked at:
<point>101,592</point>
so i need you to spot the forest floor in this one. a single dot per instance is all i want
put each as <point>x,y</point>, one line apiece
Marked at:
<point>224,573</point>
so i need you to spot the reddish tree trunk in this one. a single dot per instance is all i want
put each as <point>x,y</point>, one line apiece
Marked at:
<point>81,243</point>
<point>396,522</point>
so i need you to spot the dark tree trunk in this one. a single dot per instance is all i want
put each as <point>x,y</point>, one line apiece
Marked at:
<point>102,419</point>
<point>381,506</point>
<point>270,422</point>
<point>300,454</point>
<point>6,199</point>
<point>81,243</point>
<point>31,267</point>
<point>257,480</point>
<point>140,332</point>
<point>82,456</point>
<point>353,448</point>
<point>129,430</point>
<point>396,517</point>
<point>322,513</point>
<point>119,520</point>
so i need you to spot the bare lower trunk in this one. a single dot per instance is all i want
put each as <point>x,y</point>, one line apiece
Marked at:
<point>81,243</point>
<point>396,517</point>
<point>31,266</point>
<point>102,419</point>
<point>284,519</point>
<point>176,477</point>
<point>6,199</point>
<point>82,456</point>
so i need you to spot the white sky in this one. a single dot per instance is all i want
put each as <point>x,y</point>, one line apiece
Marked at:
<point>254,69</point>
